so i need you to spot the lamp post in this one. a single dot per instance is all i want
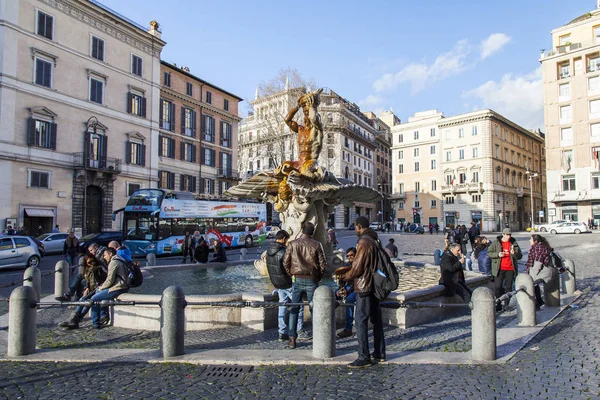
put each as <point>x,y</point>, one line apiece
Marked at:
<point>382,198</point>
<point>92,123</point>
<point>531,176</point>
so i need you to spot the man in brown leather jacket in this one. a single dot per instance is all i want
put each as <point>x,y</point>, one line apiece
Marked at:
<point>367,305</point>
<point>304,261</point>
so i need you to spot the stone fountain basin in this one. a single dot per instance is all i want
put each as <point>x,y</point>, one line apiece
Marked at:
<point>424,289</point>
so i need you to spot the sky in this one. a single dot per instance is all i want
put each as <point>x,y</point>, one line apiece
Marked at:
<point>456,56</point>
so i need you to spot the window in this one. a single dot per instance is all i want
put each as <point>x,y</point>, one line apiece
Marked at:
<point>497,151</point>
<point>595,131</point>
<point>448,156</point>
<point>594,84</point>
<point>225,104</point>
<point>208,128</point>
<point>449,179</point>
<point>400,168</point>
<point>45,25</point>
<point>568,183</point>
<point>96,90</point>
<point>505,154</point>
<point>566,137</point>
<point>474,130</point>
<point>497,176</point>
<point>594,109</point>
<point>400,138</point>
<point>207,186</point>
<point>433,164</point>
<point>461,154</point>
<point>476,198</point>
<point>166,180</point>
<point>596,30</point>
<point>41,133</point>
<point>401,155</point>
<point>417,186</point>
<point>226,135</point>
<point>416,135</point>
<point>416,152</point>
<point>400,206</point>
<point>167,79</point>
<point>565,114</point>
<point>187,183</point>
<point>475,152</point>
<point>166,147</point>
<point>189,89</point>
<point>432,149</point>
<point>564,92</point>
<point>417,204</point>
<point>401,188</point>
<point>136,65</point>
<point>564,70</point>
<point>432,132</point>
<point>461,132</point>
<point>136,104</point>
<point>416,167</point>
<point>448,134</point>
<point>43,72</point>
<point>593,64</point>
<point>97,48</point>
<point>6,244</point>
<point>433,203</point>
<point>449,199</point>
<point>462,177</point>
<point>595,181</point>
<point>209,97</point>
<point>167,115</point>
<point>188,122</point>
<point>39,179</point>
<point>475,177</point>
<point>564,40</point>
<point>132,188</point>
<point>518,158</point>
<point>208,158</point>
<point>135,153</point>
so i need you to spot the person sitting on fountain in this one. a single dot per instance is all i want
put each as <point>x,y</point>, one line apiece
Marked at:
<point>201,251</point>
<point>451,270</point>
<point>220,255</point>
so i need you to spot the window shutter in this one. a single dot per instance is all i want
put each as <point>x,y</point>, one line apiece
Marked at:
<point>193,184</point>
<point>129,101</point>
<point>172,106</point>
<point>44,180</point>
<point>183,120</point>
<point>143,155</point>
<point>193,123</point>
<point>202,185</point>
<point>128,152</point>
<point>172,148</point>
<point>53,129</point>
<point>212,130</point>
<point>212,186</point>
<point>182,182</point>
<point>143,107</point>
<point>182,151</point>
<point>171,180</point>
<point>160,114</point>
<point>101,49</point>
<point>212,159</point>
<point>160,146</point>
<point>202,155</point>
<point>202,125</point>
<point>104,151</point>
<point>193,153</point>
<point>31,132</point>
<point>221,140</point>
<point>221,159</point>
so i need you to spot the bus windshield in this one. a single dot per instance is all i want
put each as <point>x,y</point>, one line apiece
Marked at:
<point>140,226</point>
<point>146,197</point>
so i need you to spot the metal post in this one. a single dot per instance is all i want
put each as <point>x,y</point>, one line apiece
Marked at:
<point>243,253</point>
<point>33,278</point>
<point>323,323</point>
<point>22,320</point>
<point>150,260</point>
<point>525,300</point>
<point>61,278</point>
<point>172,329</point>
<point>552,289</point>
<point>483,325</point>
<point>569,277</point>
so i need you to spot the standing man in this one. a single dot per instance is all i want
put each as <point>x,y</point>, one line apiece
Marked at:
<point>280,279</point>
<point>473,233</point>
<point>391,249</point>
<point>70,248</point>
<point>304,261</point>
<point>187,247</point>
<point>504,252</point>
<point>367,305</point>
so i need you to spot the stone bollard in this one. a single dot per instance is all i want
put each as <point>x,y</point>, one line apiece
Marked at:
<point>243,254</point>
<point>22,320</point>
<point>525,301</point>
<point>552,289</point>
<point>172,322</point>
<point>61,278</point>
<point>33,278</point>
<point>150,260</point>
<point>569,277</point>
<point>323,315</point>
<point>483,325</point>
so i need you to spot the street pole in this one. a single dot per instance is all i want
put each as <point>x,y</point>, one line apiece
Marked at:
<point>531,176</point>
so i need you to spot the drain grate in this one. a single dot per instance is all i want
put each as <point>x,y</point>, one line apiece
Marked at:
<point>227,372</point>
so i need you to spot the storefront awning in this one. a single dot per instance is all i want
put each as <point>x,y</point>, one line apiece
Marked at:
<point>39,212</point>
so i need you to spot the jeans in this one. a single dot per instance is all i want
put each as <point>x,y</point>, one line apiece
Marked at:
<point>505,277</point>
<point>368,308</point>
<point>76,286</point>
<point>350,299</point>
<point>97,311</point>
<point>285,296</point>
<point>299,287</point>
<point>71,259</point>
<point>82,310</point>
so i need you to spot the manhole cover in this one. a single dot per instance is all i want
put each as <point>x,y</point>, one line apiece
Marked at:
<point>227,372</point>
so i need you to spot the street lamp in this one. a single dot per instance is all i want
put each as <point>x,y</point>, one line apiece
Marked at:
<point>531,176</point>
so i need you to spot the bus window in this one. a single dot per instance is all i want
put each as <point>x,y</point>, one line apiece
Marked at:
<point>164,229</point>
<point>139,227</point>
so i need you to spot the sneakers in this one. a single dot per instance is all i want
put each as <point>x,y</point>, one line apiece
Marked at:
<point>292,343</point>
<point>304,335</point>
<point>73,323</point>
<point>344,334</point>
<point>64,297</point>
<point>97,326</point>
<point>358,363</point>
<point>105,320</point>
<point>283,338</point>
<point>378,359</point>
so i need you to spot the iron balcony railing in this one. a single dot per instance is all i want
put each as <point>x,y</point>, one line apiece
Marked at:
<point>105,164</point>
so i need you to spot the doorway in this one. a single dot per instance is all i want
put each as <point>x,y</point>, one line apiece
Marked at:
<point>93,205</point>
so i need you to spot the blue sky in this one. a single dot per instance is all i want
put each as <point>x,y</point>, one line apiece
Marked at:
<point>408,55</point>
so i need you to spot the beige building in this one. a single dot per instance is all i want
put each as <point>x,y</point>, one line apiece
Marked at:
<point>571,75</point>
<point>78,113</point>
<point>476,169</point>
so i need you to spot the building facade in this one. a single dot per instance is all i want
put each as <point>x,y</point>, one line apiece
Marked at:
<point>197,144</point>
<point>478,169</point>
<point>349,144</point>
<point>571,76</point>
<point>78,113</point>
<point>383,167</point>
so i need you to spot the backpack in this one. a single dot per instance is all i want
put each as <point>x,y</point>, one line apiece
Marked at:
<point>556,261</point>
<point>134,275</point>
<point>451,236</point>
<point>385,276</point>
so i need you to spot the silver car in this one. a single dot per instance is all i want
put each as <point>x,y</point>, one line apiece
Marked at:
<point>18,251</point>
<point>54,243</point>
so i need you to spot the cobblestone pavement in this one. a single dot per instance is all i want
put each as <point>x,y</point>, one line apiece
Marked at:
<point>561,362</point>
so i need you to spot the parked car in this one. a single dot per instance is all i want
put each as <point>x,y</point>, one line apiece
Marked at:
<point>547,227</point>
<point>53,242</point>
<point>271,231</point>
<point>40,245</point>
<point>376,226</point>
<point>18,251</point>
<point>415,228</point>
<point>570,227</point>
<point>102,238</point>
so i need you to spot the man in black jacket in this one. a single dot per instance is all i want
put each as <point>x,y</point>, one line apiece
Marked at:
<point>280,279</point>
<point>452,273</point>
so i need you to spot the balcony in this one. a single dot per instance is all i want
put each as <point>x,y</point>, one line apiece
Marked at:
<point>564,49</point>
<point>463,188</point>
<point>104,164</point>
<point>397,196</point>
<point>228,173</point>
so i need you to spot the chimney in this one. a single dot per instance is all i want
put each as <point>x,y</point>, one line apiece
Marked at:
<point>154,28</point>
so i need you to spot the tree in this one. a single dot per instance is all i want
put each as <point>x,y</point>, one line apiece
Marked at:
<point>277,84</point>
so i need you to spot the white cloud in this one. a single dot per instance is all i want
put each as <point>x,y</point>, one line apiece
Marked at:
<point>493,44</point>
<point>518,98</point>
<point>420,75</point>
<point>370,102</point>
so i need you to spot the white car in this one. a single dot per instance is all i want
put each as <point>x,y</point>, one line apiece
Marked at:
<point>569,227</point>
<point>272,231</point>
<point>53,242</point>
<point>375,226</point>
<point>18,251</point>
<point>547,227</point>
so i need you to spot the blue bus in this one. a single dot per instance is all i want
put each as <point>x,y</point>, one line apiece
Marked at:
<point>155,221</point>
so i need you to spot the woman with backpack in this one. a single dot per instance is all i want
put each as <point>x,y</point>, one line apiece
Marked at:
<point>538,264</point>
